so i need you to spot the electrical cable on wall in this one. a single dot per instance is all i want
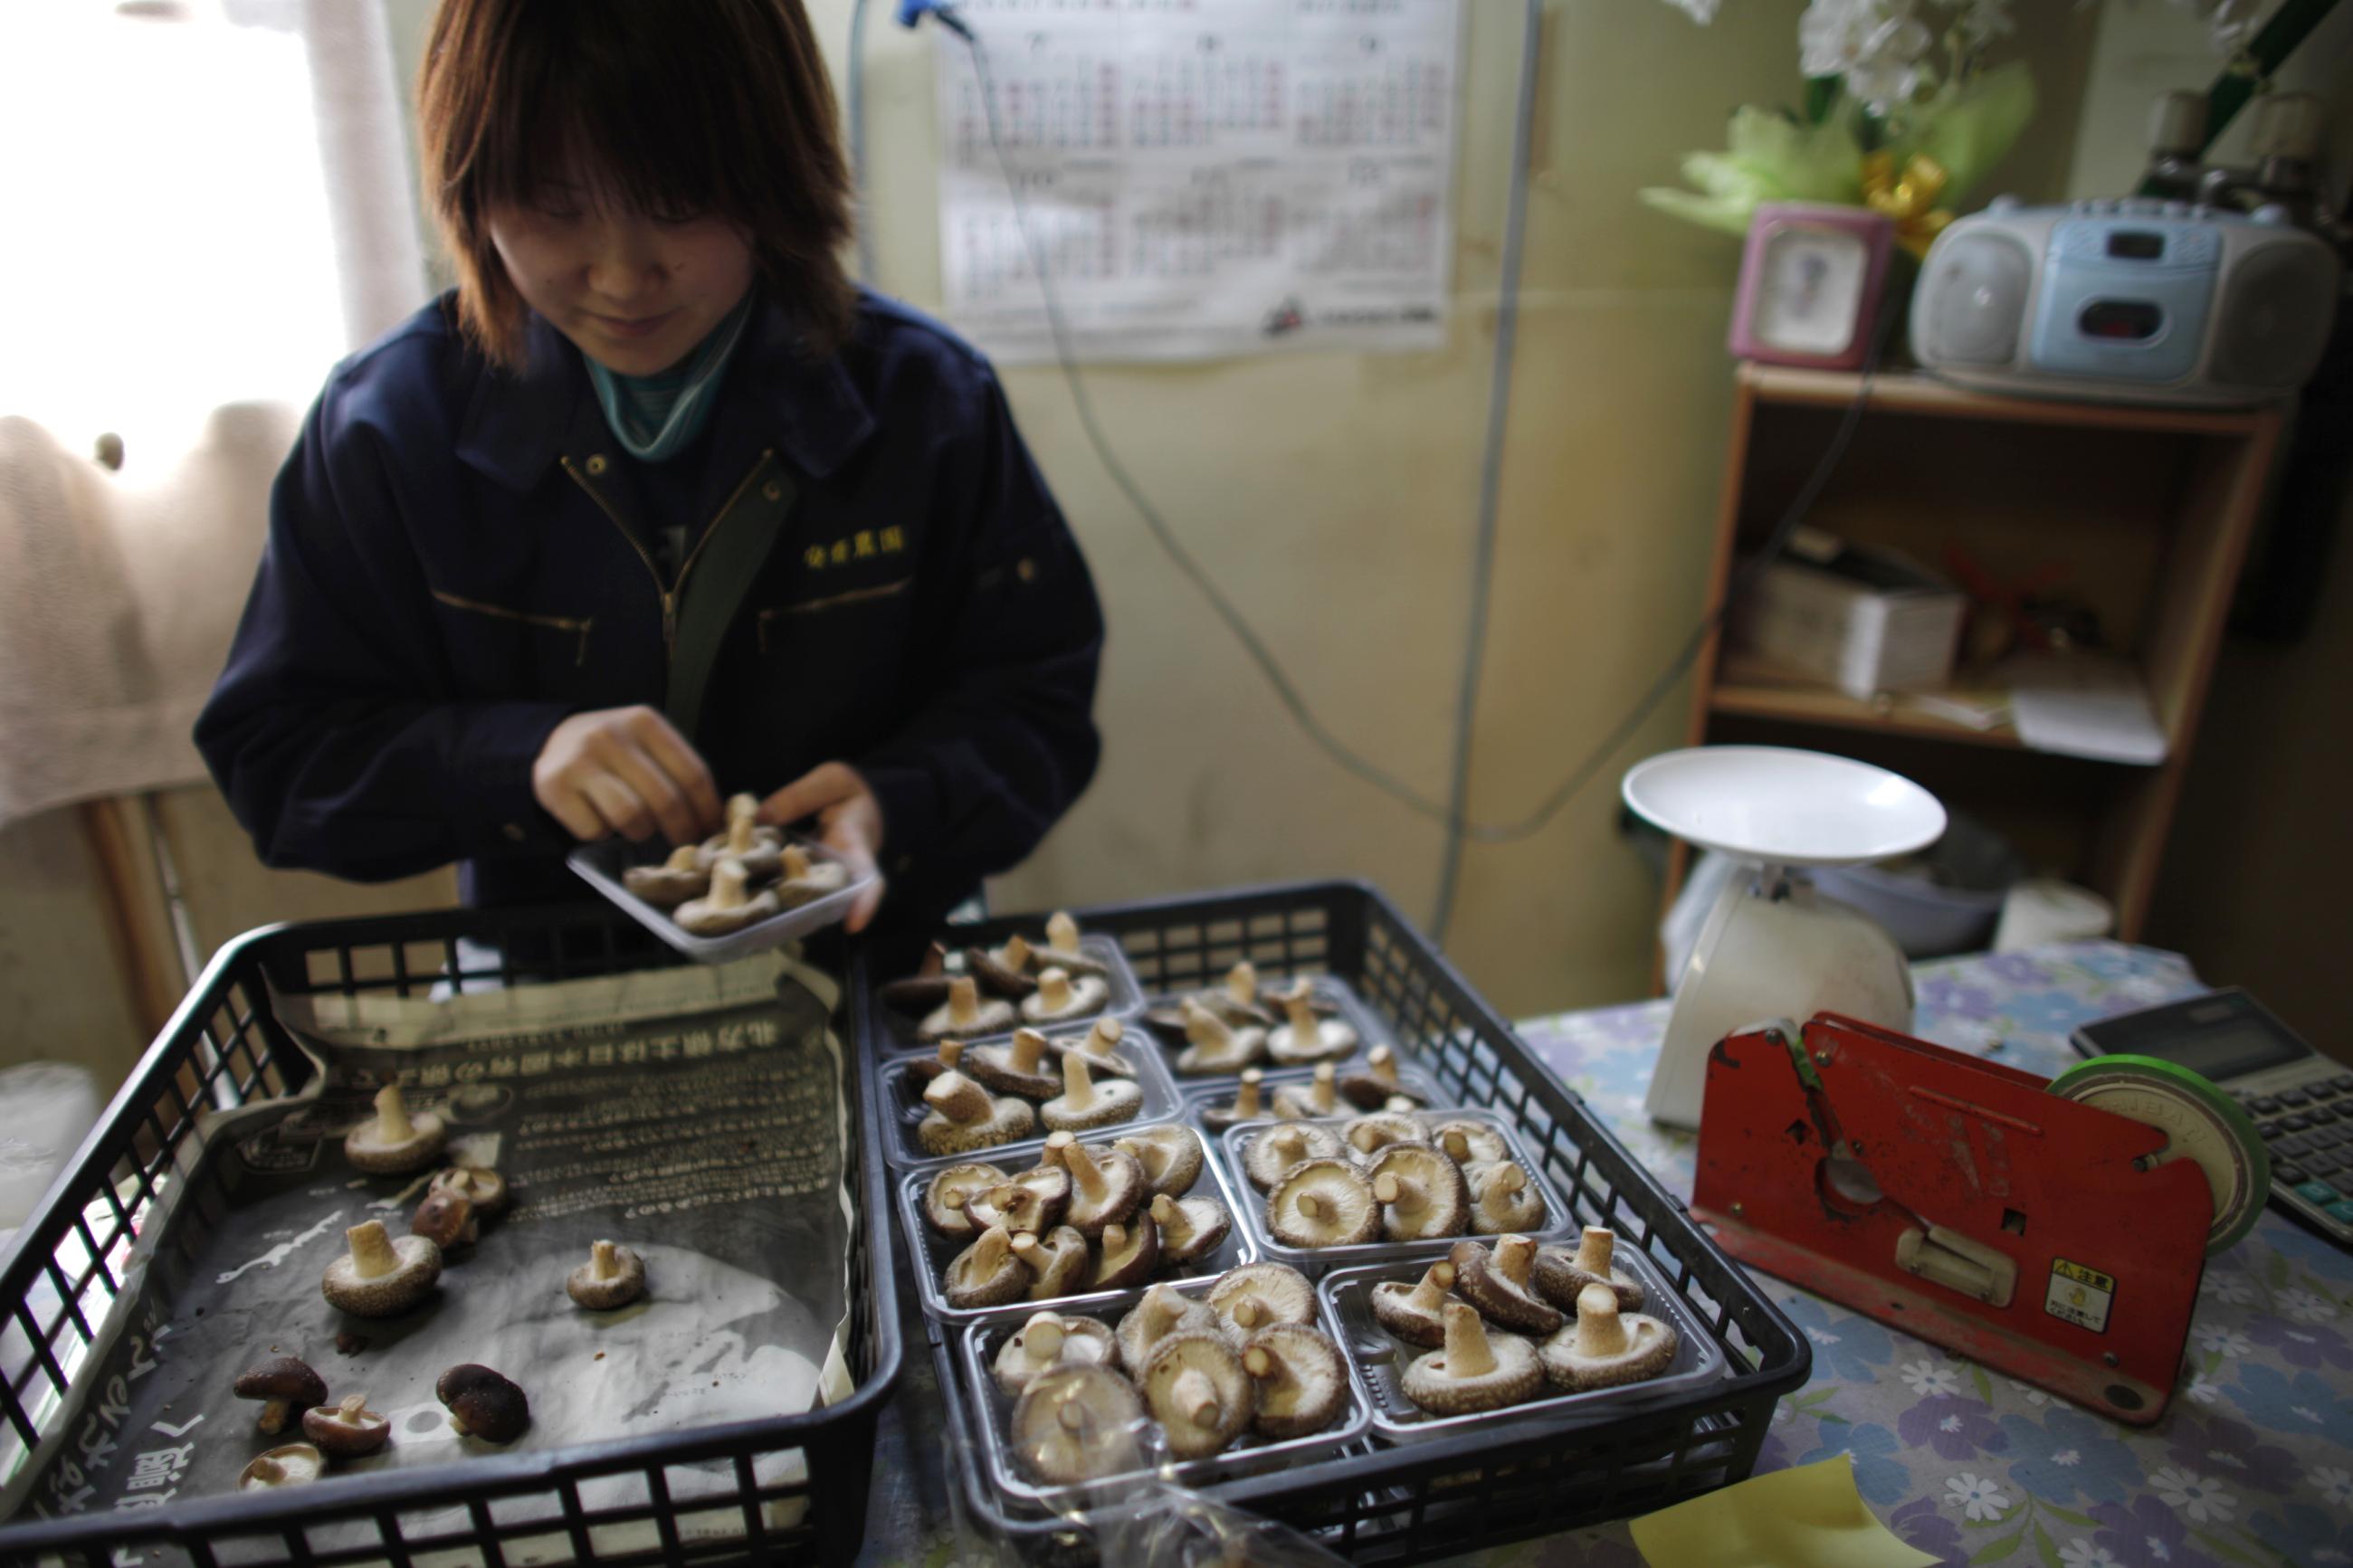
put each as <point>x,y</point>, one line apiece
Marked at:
<point>1453,814</point>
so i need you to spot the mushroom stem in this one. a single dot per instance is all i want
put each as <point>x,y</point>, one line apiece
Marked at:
<point>792,863</point>
<point>1241,983</point>
<point>1203,1028</point>
<point>958,1099</point>
<point>989,1253</point>
<point>265,1470</point>
<point>1085,1175</point>
<point>1311,1205</point>
<point>1290,1146</point>
<point>350,1409</point>
<point>1161,1307</point>
<point>1246,1104</point>
<point>1250,1312</point>
<point>1195,1397</point>
<point>392,1124</point>
<point>1014,953</point>
<point>604,1260</point>
<point>1078,1083</point>
<point>1514,1256</point>
<point>963,1001</point>
<point>680,859</point>
<point>951,1053</point>
<point>1073,1417</point>
<point>1456,1147</point>
<point>1324,1095</point>
<point>1061,931</point>
<point>1397,1190</point>
<point>1260,1362</point>
<point>1509,1180</point>
<point>372,1254</point>
<point>1304,1025</point>
<point>1594,1250</point>
<point>1054,991</point>
<point>273,1416</point>
<point>1043,1336</point>
<point>739,833</point>
<point>1176,1228</point>
<point>1383,1064</point>
<point>1029,1050</point>
<point>1467,1354</point>
<point>1429,1295</point>
<point>727,880</point>
<point>1101,1039</point>
<point>1600,1332</point>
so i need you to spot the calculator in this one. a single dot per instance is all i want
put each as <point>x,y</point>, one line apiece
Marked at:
<point>2301,1102</point>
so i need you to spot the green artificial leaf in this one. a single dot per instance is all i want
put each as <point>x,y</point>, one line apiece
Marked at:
<point>2236,1553</point>
<point>2276,1270</point>
<point>2000,1549</point>
<point>1801,1402</point>
<point>2046,1548</point>
<point>1828,1419</point>
<point>2212,1359</point>
<point>1984,1384</point>
<point>2080,1520</point>
<point>1821,97</point>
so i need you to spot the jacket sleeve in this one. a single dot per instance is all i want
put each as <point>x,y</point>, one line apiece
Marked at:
<point>1006,739</point>
<point>334,730</point>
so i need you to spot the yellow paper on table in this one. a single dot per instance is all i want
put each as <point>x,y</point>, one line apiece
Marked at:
<point>1811,1517</point>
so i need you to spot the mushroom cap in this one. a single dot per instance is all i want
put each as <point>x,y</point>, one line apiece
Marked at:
<point>707,917</point>
<point>1056,1263</point>
<point>1504,1200</point>
<point>477,1184</point>
<point>1171,1156</point>
<point>1302,1383</point>
<point>1109,1102</point>
<point>666,886</point>
<point>997,1067</point>
<point>1163,1311</point>
<point>1267,1153</point>
<point>998,977</point>
<point>1130,1253</point>
<point>1482,1280</point>
<point>1016,1205</point>
<point>915,995</point>
<point>806,877</point>
<point>482,1403</point>
<point>1399,1308</point>
<point>1194,1385</point>
<point>1368,1135</point>
<point>1121,1191</point>
<point>1431,1199</point>
<point>1323,1203</point>
<point>1301,1101</point>
<point>1062,948</point>
<point>1468,1142</point>
<point>1103,1045</point>
<point>371,1148</point>
<point>1213,1046</point>
<point>1009,1120</point>
<point>445,1218</point>
<point>1076,1423</point>
<point>1430,1383</point>
<point>418,1265</point>
<point>948,1198</point>
<point>986,1274</point>
<point>1191,1228</point>
<point>1330,1040</point>
<point>1572,1363</point>
<point>1088,994</point>
<point>346,1431</point>
<point>1375,1085</point>
<point>1560,1273</point>
<point>990,1015</point>
<point>1078,1341</point>
<point>760,850</point>
<point>293,1465</point>
<point>287,1381</point>
<point>1248,1298</point>
<point>600,1294</point>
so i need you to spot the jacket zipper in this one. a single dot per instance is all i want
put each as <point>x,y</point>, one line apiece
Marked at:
<point>579,628</point>
<point>672,592</point>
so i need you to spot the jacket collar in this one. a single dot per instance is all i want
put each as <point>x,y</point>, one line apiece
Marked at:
<point>516,423</point>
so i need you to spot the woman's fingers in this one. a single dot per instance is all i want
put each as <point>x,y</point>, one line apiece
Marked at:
<point>826,785</point>
<point>646,778</point>
<point>677,758</point>
<point>848,834</point>
<point>571,807</point>
<point>623,811</point>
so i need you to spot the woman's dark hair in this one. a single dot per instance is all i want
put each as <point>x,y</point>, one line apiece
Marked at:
<point>717,106</point>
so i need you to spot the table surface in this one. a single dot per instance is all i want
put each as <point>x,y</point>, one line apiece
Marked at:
<point>2252,1464</point>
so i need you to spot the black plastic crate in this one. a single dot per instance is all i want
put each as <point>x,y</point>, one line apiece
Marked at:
<point>1526,1477</point>
<point>224,1048</point>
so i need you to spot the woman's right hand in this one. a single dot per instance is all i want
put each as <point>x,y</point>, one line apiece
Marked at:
<point>625,771</point>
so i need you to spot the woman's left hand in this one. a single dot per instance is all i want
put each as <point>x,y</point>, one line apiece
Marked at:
<point>849,821</point>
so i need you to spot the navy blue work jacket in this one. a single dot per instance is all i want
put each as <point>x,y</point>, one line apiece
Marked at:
<point>459,557</point>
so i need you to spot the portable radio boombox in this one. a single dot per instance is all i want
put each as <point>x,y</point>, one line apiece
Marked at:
<point>2138,300</point>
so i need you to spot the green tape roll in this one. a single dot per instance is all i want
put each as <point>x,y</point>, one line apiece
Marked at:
<point>2201,1122</point>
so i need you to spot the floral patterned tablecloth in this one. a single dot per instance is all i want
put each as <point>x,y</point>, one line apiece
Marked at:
<point>2252,1465</point>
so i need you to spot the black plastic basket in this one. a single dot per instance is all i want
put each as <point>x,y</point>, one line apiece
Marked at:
<point>224,1047</point>
<point>1376,1503</point>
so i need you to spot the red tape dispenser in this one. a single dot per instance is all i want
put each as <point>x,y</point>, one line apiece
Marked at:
<point>2052,1229</point>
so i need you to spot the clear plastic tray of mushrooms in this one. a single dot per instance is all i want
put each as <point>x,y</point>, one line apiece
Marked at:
<point>1351,1010</point>
<point>1198,1094</point>
<point>1126,1002</point>
<point>1379,1358</point>
<point>901,1097</point>
<point>1250,1455</point>
<point>1225,1153</point>
<point>931,1252</point>
<point>602,867</point>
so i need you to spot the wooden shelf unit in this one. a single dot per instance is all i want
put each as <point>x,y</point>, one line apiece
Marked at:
<point>2148,509</point>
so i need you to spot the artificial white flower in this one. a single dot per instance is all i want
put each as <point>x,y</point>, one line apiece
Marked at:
<point>1929,1381</point>
<point>2066,1458</point>
<point>1879,46</point>
<point>2335,1486</point>
<point>2198,1495</point>
<point>2229,22</point>
<point>2228,1343</point>
<point>1982,21</point>
<point>2081,1553</point>
<point>1700,11</point>
<point>2230,1289</point>
<point>1822,1336</point>
<point>2203,1389</point>
<point>2305,1306</point>
<point>1949,1423</point>
<point>1978,1498</point>
<point>2034,1395</point>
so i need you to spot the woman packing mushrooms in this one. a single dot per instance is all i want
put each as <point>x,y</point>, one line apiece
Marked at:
<point>655,498</point>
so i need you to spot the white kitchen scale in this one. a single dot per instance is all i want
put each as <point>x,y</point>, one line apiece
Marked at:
<point>1773,947</point>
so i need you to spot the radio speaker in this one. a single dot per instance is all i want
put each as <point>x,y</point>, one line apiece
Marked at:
<point>1976,299</point>
<point>2265,330</point>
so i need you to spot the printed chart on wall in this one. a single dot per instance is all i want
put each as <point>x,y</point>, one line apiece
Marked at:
<point>1202,177</point>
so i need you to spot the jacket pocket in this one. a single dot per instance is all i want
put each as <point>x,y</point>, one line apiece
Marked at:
<point>770,618</point>
<point>574,628</point>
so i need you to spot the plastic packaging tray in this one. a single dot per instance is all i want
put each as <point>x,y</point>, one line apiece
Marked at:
<point>930,1253</point>
<point>1379,1358</point>
<point>1455,1492</point>
<point>225,1049</point>
<point>1227,1153</point>
<point>601,866</point>
<point>1249,1455</point>
<point>1198,1094</point>
<point>902,1098</point>
<point>1370,1031</point>
<point>896,1033</point>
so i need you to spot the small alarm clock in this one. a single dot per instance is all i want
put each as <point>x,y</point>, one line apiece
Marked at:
<point>1810,285</point>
